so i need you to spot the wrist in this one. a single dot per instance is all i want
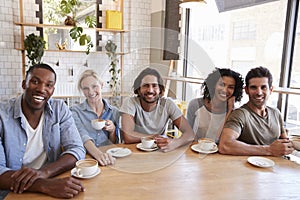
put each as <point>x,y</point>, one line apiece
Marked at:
<point>267,149</point>
<point>112,133</point>
<point>39,186</point>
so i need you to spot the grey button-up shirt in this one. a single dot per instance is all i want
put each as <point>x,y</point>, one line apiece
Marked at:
<point>83,114</point>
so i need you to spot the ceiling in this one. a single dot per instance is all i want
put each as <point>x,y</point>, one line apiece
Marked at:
<point>226,5</point>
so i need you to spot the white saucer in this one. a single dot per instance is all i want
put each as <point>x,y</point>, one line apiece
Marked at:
<point>260,161</point>
<point>73,173</point>
<point>140,146</point>
<point>196,147</point>
<point>119,152</point>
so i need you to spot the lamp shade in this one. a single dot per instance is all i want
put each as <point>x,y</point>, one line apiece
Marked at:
<point>191,3</point>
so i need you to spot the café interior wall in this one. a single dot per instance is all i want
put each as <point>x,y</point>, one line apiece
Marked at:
<point>10,58</point>
<point>137,19</point>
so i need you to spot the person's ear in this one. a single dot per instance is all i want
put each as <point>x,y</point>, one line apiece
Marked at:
<point>102,84</point>
<point>246,90</point>
<point>24,84</point>
<point>271,89</point>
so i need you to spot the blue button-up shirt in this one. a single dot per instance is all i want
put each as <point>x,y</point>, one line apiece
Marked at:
<point>59,132</point>
<point>83,114</point>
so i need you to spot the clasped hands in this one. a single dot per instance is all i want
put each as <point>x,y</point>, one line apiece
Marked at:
<point>281,147</point>
<point>38,180</point>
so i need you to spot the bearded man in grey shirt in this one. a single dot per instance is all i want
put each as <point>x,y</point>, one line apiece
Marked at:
<point>148,113</point>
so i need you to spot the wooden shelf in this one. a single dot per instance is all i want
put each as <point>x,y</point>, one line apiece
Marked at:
<point>104,94</point>
<point>68,50</point>
<point>22,25</point>
<point>184,79</point>
<point>68,27</point>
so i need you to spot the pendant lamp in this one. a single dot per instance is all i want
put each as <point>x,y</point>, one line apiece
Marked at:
<point>191,3</point>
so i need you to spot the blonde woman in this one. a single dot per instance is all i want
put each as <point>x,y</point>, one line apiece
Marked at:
<point>95,107</point>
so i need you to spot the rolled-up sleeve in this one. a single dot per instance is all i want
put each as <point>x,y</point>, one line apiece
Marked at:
<point>70,137</point>
<point>3,167</point>
<point>76,111</point>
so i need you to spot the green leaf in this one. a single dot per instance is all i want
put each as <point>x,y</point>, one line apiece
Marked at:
<point>90,21</point>
<point>75,32</point>
<point>82,40</point>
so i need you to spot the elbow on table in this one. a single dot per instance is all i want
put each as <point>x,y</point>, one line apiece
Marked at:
<point>223,148</point>
<point>128,139</point>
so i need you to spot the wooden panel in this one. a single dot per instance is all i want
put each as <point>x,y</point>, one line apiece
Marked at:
<point>172,30</point>
<point>39,15</point>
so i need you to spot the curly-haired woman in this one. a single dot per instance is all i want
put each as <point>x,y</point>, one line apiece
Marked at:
<point>207,114</point>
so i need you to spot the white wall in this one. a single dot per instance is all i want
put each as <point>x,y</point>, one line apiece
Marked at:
<point>10,59</point>
<point>158,5</point>
<point>137,17</point>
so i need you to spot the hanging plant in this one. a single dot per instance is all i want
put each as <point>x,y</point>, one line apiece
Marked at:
<point>34,46</point>
<point>69,9</point>
<point>83,39</point>
<point>114,70</point>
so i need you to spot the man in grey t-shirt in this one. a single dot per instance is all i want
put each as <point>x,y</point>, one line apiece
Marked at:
<point>256,129</point>
<point>148,113</point>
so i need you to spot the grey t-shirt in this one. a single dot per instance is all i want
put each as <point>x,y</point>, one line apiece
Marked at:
<point>255,129</point>
<point>193,106</point>
<point>154,122</point>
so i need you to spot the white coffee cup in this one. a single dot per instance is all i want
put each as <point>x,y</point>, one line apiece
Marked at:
<point>86,167</point>
<point>207,144</point>
<point>147,142</point>
<point>98,124</point>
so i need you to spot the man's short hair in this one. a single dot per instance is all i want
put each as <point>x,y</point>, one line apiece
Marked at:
<point>40,65</point>
<point>259,72</point>
<point>145,72</point>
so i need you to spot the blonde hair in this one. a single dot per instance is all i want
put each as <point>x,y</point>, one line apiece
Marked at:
<point>86,74</point>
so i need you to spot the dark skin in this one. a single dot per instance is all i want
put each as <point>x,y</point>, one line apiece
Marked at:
<point>38,88</point>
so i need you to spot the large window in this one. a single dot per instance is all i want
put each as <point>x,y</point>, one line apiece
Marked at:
<point>262,35</point>
<point>293,108</point>
<point>244,30</point>
<point>238,39</point>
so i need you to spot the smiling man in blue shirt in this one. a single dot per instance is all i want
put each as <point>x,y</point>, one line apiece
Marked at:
<point>33,131</point>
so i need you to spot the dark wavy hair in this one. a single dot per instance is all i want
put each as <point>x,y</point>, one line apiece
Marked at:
<point>259,72</point>
<point>145,72</point>
<point>210,82</point>
<point>40,65</point>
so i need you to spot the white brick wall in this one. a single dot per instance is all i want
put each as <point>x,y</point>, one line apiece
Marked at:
<point>10,59</point>
<point>136,17</point>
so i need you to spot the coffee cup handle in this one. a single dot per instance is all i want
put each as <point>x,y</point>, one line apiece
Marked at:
<point>78,172</point>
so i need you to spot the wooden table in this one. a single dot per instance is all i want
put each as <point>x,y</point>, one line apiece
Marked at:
<point>185,174</point>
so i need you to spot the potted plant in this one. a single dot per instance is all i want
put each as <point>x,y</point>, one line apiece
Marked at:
<point>84,39</point>
<point>69,9</point>
<point>34,46</point>
<point>114,70</point>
